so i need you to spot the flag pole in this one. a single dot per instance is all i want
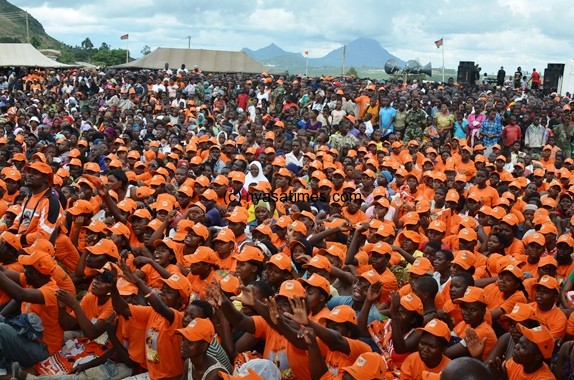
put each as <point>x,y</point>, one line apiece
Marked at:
<point>128,51</point>
<point>442,60</point>
<point>306,63</point>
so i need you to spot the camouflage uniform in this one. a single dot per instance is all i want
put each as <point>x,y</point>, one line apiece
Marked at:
<point>415,122</point>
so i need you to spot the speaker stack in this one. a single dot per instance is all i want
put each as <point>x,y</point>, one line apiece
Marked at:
<point>552,75</point>
<point>465,69</point>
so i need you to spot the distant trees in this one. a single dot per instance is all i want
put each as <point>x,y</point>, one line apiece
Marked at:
<point>145,50</point>
<point>352,71</point>
<point>87,44</point>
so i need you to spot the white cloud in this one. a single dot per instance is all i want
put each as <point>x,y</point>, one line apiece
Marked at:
<point>491,32</point>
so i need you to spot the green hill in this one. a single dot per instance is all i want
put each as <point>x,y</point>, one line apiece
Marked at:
<point>13,28</point>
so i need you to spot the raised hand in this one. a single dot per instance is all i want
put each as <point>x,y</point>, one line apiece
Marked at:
<point>66,298</point>
<point>308,335</point>
<point>274,313</point>
<point>395,303</point>
<point>246,297</point>
<point>374,292</point>
<point>474,345</point>
<point>299,315</point>
<point>140,261</point>
<point>127,273</point>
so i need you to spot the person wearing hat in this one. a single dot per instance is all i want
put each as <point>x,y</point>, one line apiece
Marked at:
<point>163,264</point>
<point>160,320</point>
<point>291,360</point>
<point>9,247</point>
<point>13,179</point>
<point>487,193</point>
<point>395,336</point>
<point>547,293</point>
<point>434,339</point>
<point>197,337</point>
<point>279,269</point>
<point>338,330</point>
<point>505,293</point>
<point>41,210</point>
<point>528,359</point>
<point>473,305</point>
<point>38,296</point>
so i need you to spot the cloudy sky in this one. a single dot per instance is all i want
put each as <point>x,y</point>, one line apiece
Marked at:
<point>490,32</point>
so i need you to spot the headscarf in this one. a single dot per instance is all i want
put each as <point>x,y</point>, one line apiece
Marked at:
<point>249,179</point>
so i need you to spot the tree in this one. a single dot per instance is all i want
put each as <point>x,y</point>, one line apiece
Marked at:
<point>109,57</point>
<point>146,50</point>
<point>105,46</point>
<point>35,42</point>
<point>87,44</point>
<point>353,72</point>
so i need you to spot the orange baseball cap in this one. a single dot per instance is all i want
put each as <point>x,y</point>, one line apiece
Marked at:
<point>341,314</point>
<point>548,228</point>
<point>141,213</point>
<point>437,328</point>
<point>200,329</point>
<point>307,214</point>
<point>41,245</point>
<point>547,260</point>
<point>467,234</point>
<point>521,312</point>
<point>249,252</point>
<point>382,248</point>
<point>415,237</point>
<point>291,289</point>
<point>225,235</point>
<point>230,284</point>
<point>548,282</point>
<point>465,259</point>
<point>421,266</point>
<point>540,336</point>
<point>40,260</point>
<point>202,254</point>
<point>318,261</point>
<point>536,238</point>
<point>412,302</point>
<point>281,261</point>
<point>318,281</point>
<point>369,365</point>
<point>372,276</point>
<point>200,230</point>
<point>11,240</point>
<point>120,229</point>
<point>299,227</point>
<point>452,196</point>
<point>333,250</point>
<point>183,226</point>
<point>96,226</point>
<point>410,218</point>
<point>472,294</point>
<point>180,283</point>
<point>167,242</point>
<point>566,238</point>
<point>437,225</point>
<point>237,216</point>
<point>12,174</point>
<point>517,272</point>
<point>105,247</point>
<point>81,207</point>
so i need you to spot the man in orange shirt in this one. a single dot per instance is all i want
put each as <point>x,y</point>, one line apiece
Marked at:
<point>533,348</point>
<point>488,194</point>
<point>39,298</point>
<point>433,341</point>
<point>547,291</point>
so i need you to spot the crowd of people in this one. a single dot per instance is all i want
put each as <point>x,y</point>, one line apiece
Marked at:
<point>175,224</point>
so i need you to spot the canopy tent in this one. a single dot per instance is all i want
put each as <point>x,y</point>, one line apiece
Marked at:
<point>207,60</point>
<point>18,55</point>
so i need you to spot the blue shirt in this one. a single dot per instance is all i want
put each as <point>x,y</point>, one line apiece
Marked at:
<point>386,116</point>
<point>459,128</point>
<point>493,128</point>
<point>374,314</point>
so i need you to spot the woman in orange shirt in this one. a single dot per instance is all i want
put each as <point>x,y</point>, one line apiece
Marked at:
<point>503,295</point>
<point>162,266</point>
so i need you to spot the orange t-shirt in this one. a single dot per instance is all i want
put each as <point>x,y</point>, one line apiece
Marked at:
<point>495,298</point>
<point>413,367</point>
<point>16,267</point>
<point>94,311</point>
<point>48,312</point>
<point>488,195</point>
<point>162,344</point>
<point>199,286</point>
<point>563,271</point>
<point>153,279</point>
<point>515,248</point>
<point>453,310</point>
<point>482,330</point>
<point>570,325</point>
<point>554,319</point>
<point>66,252</point>
<point>336,359</point>
<point>133,339</point>
<point>515,371</point>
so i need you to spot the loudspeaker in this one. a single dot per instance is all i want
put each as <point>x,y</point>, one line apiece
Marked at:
<point>465,69</point>
<point>551,78</point>
<point>557,66</point>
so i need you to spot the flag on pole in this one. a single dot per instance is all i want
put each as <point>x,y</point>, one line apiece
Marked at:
<point>306,52</point>
<point>124,37</point>
<point>438,43</point>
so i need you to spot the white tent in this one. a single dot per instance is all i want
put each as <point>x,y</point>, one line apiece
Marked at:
<point>18,55</point>
<point>206,60</point>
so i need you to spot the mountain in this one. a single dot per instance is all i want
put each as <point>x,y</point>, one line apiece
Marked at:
<point>362,52</point>
<point>13,28</point>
